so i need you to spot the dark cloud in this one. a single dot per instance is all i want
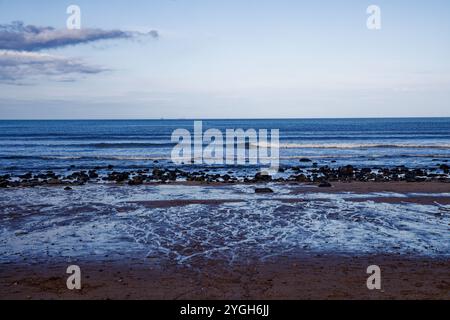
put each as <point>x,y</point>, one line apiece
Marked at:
<point>18,36</point>
<point>154,34</point>
<point>17,66</point>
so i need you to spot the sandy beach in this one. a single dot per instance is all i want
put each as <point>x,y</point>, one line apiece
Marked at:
<point>215,259</point>
<point>284,278</point>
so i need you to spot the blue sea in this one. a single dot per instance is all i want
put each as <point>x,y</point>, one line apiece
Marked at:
<point>127,144</point>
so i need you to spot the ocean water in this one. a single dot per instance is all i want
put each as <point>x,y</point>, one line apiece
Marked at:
<point>125,144</point>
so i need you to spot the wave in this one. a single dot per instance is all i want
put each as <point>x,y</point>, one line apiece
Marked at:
<point>156,145</point>
<point>98,145</point>
<point>92,158</point>
<point>125,145</point>
<point>167,158</point>
<point>352,145</point>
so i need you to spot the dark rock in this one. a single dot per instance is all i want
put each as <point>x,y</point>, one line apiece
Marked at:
<point>263,190</point>
<point>118,177</point>
<point>67,188</point>
<point>346,171</point>
<point>136,181</point>
<point>305,160</point>
<point>54,181</point>
<point>93,174</point>
<point>301,178</point>
<point>172,175</point>
<point>259,177</point>
<point>26,176</point>
<point>157,173</point>
<point>325,184</point>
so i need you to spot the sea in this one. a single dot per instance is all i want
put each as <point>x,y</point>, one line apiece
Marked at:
<point>127,144</point>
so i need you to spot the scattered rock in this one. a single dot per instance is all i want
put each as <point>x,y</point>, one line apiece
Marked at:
<point>263,190</point>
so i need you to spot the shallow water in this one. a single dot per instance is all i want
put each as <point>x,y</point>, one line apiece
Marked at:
<point>101,221</point>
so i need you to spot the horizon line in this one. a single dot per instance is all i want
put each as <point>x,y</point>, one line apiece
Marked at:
<point>244,118</point>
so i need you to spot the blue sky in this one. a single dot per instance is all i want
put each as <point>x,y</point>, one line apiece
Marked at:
<point>234,59</point>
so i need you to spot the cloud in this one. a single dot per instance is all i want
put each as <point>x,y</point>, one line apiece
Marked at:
<point>16,66</point>
<point>18,36</point>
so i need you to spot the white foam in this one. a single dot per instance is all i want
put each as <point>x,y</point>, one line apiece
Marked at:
<point>115,221</point>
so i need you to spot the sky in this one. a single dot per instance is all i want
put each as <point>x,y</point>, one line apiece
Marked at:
<point>200,59</point>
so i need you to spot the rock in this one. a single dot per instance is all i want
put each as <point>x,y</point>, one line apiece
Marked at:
<point>325,184</point>
<point>259,177</point>
<point>118,177</point>
<point>157,173</point>
<point>346,171</point>
<point>172,175</point>
<point>301,178</point>
<point>26,176</point>
<point>135,181</point>
<point>305,160</point>
<point>93,174</point>
<point>263,190</point>
<point>53,181</point>
<point>67,188</point>
<point>4,184</point>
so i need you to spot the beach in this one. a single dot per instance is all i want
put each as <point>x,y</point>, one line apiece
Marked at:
<point>198,241</point>
<point>105,196</point>
<point>308,277</point>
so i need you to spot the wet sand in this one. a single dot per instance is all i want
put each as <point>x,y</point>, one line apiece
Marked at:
<point>370,187</point>
<point>287,278</point>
